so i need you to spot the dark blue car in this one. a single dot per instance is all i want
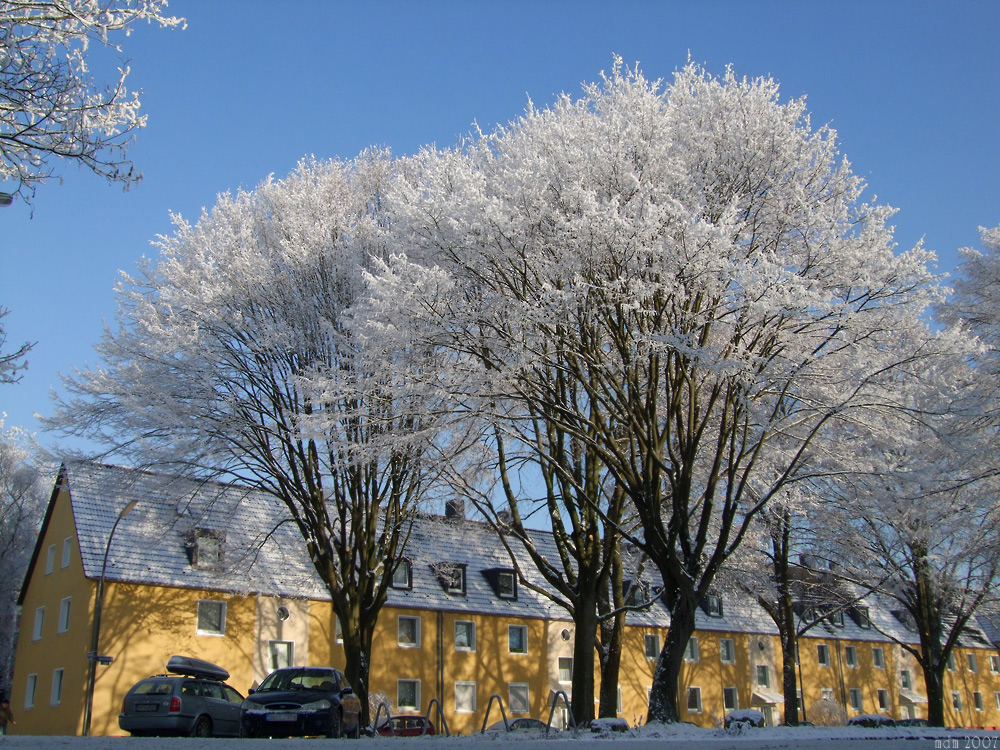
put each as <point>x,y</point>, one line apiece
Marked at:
<point>302,702</point>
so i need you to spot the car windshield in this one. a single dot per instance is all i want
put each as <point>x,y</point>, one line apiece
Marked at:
<point>300,679</point>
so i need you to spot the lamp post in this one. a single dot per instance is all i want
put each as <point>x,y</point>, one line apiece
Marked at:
<point>92,655</point>
<point>6,199</point>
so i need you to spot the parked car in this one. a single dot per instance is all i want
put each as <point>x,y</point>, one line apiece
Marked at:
<point>193,700</point>
<point>744,717</point>
<point>406,726</point>
<point>870,721</point>
<point>912,723</point>
<point>302,702</point>
<point>527,726</point>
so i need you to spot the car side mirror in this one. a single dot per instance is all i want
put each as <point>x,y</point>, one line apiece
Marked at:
<point>251,691</point>
<point>347,691</point>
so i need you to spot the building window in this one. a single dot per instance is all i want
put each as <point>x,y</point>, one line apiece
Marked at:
<point>994,663</point>
<point>506,584</point>
<point>763,677</point>
<point>823,654</point>
<point>713,605</point>
<point>280,654</point>
<point>837,618</point>
<point>691,650</point>
<point>36,633</point>
<point>730,698</point>
<point>851,656</point>
<point>878,657</point>
<point>826,694</point>
<point>952,667</point>
<point>57,679</point>
<point>565,669</point>
<point>518,697</point>
<point>465,697</point>
<point>883,700</point>
<point>996,697</point>
<point>856,699</point>
<point>204,549</point>
<point>973,663</point>
<point>465,635</point>
<point>694,700</point>
<point>977,700</point>
<point>727,650</point>
<point>409,632</point>
<point>401,578</point>
<point>904,679</point>
<point>517,639</point>
<point>338,631</point>
<point>50,559</point>
<point>64,615</point>
<point>66,552</point>
<point>211,617</point>
<point>618,703</point>
<point>956,700</point>
<point>652,642</point>
<point>862,617</point>
<point>451,576</point>
<point>29,692</point>
<point>408,695</point>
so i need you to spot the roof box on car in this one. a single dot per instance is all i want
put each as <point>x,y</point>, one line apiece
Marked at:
<point>190,667</point>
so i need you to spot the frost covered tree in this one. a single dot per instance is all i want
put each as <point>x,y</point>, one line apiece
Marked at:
<point>52,108</point>
<point>11,362</point>
<point>239,353</point>
<point>23,491</point>
<point>698,262</point>
<point>920,514</point>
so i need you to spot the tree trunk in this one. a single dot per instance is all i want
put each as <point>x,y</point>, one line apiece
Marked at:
<point>934,683</point>
<point>663,701</point>
<point>357,661</point>
<point>612,638</point>
<point>585,621</point>
<point>789,683</point>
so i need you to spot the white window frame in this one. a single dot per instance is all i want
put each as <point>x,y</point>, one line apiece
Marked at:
<point>691,651</point>
<point>823,654</point>
<point>39,625</point>
<point>996,697</point>
<point>951,662</point>
<point>905,679</point>
<point>197,618</point>
<point>735,692</point>
<point>693,691</point>
<point>972,662</point>
<point>406,707</point>
<point>64,614</point>
<point>271,653</point>
<point>50,559</point>
<point>956,700</point>
<point>618,702</point>
<point>501,577</point>
<point>416,630</point>
<point>516,686</point>
<point>857,700</point>
<point>407,571</point>
<point>55,696</point>
<point>766,683</point>
<point>851,657</point>
<point>882,698</point>
<point>468,686</point>
<point>67,552</point>
<point>32,684</point>
<point>559,666</point>
<point>653,638</point>
<point>524,640</point>
<point>994,663</point>
<point>878,657</point>
<point>826,694</point>
<point>977,700</point>
<point>472,633</point>
<point>338,631</point>
<point>723,647</point>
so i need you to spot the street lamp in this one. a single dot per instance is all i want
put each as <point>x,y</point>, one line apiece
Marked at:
<point>92,655</point>
<point>6,199</point>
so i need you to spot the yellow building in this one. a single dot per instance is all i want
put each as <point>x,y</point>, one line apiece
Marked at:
<point>209,571</point>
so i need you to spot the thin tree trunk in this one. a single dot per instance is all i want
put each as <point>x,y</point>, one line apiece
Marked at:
<point>612,638</point>
<point>664,701</point>
<point>585,620</point>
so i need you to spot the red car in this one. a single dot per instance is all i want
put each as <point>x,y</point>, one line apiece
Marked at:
<point>406,726</point>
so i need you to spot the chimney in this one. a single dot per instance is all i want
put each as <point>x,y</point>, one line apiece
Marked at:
<point>454,508</point>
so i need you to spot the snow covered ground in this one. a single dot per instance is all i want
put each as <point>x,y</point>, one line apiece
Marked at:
<point>644,738</point>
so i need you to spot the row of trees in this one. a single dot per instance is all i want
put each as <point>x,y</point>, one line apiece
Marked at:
<point>658,315</point>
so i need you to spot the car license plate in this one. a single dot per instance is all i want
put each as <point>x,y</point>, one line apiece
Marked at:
<point>281,716</point>
<point>146,707</point>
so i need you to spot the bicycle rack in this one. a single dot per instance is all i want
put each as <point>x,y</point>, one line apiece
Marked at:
<point>388,714</point>
<point>569,710</point>
<point>489,707</point>
<point>444,722</point>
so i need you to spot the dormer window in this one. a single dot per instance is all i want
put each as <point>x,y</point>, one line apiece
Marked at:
<point>205,549</point>
<point>713,605</point>
<point>837,618</point>
<point>503,581</point>
<point>451,576</point>
<point>401,576</point>
<point>637,593</point>
<point>860,616</point>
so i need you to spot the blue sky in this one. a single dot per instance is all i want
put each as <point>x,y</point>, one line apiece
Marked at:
<point>250,87</point>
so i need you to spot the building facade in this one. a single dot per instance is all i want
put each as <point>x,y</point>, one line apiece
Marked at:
<point>209,571</point>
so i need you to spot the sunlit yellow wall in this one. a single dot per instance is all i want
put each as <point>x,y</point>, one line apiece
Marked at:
<point>967,679</point>
<point>54,650</point>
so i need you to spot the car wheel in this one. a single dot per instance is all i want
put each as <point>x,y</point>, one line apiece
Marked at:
<point>335,725</point>
<point>202,727</point>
